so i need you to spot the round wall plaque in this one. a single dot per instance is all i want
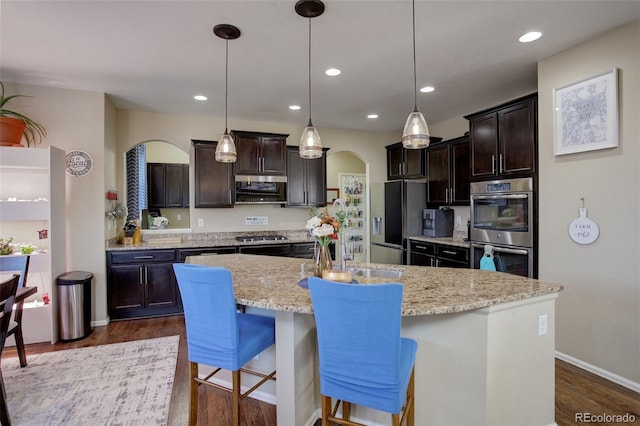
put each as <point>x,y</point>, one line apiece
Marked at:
<point>583,230</point>
<point>79,163</point>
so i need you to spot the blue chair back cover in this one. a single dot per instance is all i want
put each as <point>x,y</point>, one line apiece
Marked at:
<point>363,359</point>
<point>16,263</point>
<point>217,334</point>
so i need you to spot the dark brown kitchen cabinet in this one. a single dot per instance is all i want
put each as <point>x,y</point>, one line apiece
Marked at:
<point>306,179</point>
<point>260,153</point>
<point>438,255</point>
<point>448,173</point>
<point>503,140</point>
<point>214,181</point>
<point>167,185</point>
<point>267,250</point>
<point>403,163</point>
<point>141,283</point>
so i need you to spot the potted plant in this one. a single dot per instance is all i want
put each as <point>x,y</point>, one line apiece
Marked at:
<point>14,125</point>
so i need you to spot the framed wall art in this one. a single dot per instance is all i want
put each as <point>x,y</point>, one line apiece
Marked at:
<point>586,114</point>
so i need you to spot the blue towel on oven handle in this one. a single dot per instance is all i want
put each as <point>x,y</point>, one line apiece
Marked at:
<point>486,262</point>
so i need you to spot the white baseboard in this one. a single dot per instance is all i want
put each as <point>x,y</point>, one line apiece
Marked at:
<point>100,322</point>
<point>622,381</point>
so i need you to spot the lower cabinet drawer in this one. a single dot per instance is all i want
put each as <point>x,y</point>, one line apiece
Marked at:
<point>137,256</point>
<point>459,254</point>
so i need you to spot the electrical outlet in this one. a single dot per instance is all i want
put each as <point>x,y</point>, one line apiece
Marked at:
<point>542,325</point>
<point>200,222</point>
<point>178,216</point>
<point>458,220</point>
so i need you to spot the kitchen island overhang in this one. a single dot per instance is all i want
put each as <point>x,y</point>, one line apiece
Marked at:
<point>482,358</point>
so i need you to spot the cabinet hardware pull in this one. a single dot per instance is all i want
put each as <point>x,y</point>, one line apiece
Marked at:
<point>446,195</point>
<point>501,164</point>
<point>452,192</point>
<point>448,252</point>
<point>143,257</point>
<point>146,275</point>
<point>421,247</point>
<point>493,164</point>
<point>140,278</point>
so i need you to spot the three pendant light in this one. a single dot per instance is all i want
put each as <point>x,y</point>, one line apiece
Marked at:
<point>414,136</point>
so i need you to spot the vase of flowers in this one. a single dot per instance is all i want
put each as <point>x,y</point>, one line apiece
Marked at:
<point>324,228</point>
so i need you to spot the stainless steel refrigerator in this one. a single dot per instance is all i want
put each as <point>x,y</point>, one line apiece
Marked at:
<point>396,213</point>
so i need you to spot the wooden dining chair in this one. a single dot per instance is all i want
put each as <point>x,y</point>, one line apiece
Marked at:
<point>20,265</point>
<point>7,296</point>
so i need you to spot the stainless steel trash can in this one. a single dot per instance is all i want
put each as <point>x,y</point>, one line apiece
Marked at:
<point>74,310</point>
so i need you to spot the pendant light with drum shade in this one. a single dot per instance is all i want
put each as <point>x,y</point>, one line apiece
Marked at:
<point>416,132</point>
<point>226,148</point>
<point>310,143</point>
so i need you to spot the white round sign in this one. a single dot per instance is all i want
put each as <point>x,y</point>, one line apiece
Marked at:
<point>79,163</point>
<point>583,230</point>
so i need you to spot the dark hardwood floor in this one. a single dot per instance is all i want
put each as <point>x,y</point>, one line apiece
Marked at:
<point>577,391</point>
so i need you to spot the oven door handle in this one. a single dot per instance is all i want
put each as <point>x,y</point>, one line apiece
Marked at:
<point>496,197</point>
<point>503,249</point>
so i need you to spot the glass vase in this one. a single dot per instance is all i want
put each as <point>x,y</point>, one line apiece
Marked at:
<point>321,260</point>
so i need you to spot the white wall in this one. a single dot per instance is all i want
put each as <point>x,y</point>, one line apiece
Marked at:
<point>598,313</point>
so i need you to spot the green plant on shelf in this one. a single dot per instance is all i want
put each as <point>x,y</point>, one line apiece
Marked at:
<point>27,248</point>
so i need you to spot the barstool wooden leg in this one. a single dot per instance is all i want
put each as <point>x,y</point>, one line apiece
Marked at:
<point>235,398</point>
<point>193,394</point>
<point>326,410</point>
<point>346,410</point>
<point>411,400</point>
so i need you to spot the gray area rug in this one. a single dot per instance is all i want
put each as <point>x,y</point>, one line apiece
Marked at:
<point>118,384</point>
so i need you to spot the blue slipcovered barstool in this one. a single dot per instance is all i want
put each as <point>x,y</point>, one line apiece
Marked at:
<point>218,335</point>
<point>363,359</point>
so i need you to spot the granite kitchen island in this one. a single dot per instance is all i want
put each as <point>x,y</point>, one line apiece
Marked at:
<point>486,342</point>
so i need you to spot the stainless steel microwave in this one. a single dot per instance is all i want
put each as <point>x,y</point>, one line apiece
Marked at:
<point>262,189</point>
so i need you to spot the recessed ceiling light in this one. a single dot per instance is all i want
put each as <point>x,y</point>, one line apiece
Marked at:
<point>530,36</point>
<point>427,89</point>
<point>332,72</point>
<point>294,107</point>
<point>372,116</point>
<point>200,97</point>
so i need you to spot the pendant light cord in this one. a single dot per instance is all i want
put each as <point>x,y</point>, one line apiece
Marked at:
<point>415,80</point>
<point>309,72</point>
<point>226,85</point>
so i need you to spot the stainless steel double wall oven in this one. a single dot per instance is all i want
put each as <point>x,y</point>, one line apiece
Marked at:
<point>503,215</point>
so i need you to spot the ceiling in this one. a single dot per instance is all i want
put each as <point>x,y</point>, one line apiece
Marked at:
<point>156,55</point>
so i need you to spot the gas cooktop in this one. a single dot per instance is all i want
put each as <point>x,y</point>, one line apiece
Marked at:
<point>251,238</point>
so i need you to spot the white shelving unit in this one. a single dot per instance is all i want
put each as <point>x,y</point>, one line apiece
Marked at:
<point>353,194</point>
<point>32,198</point>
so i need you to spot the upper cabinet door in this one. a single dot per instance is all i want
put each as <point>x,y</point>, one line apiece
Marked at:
<point>214,181</point>
<point>260,153</point>
<point>517,141</point>
<point>504,140</point>
<point>248,149</point>
<point>483,132</point>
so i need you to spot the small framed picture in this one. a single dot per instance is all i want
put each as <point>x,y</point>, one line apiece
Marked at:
<point>586,114</point>
<point>332,194</point>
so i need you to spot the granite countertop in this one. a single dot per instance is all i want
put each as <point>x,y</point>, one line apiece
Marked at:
<point>207,239</point>
<point>271,282</point>
<point>450,241</point>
